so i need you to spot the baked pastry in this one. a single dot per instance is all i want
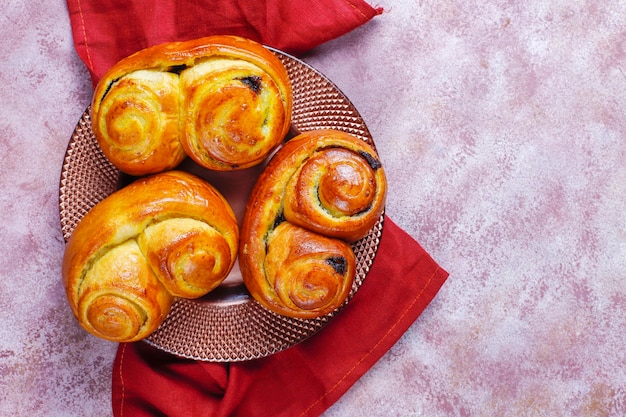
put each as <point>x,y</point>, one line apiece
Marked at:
<point>163,236</point>
<point>236,106</point>
<point>225,101</point>
<point>321,191</point>
<point>306,274</point>
<point>339,187</point>
<point>135,120</point>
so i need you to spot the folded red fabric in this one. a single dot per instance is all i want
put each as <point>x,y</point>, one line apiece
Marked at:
<point>303,380</point>
<point>306,379</point>
<point>105,31</point>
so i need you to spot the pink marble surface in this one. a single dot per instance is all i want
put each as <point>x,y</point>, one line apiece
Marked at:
<point>502,126</point>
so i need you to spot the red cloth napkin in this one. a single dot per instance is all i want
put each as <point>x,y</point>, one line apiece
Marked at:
<point>306,379</point>
<point>303,380</point>
<point>107,30</point>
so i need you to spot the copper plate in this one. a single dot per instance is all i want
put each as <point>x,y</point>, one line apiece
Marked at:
<point>227,325</point>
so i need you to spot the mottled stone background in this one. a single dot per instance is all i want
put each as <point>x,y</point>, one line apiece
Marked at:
<point>502,126</point>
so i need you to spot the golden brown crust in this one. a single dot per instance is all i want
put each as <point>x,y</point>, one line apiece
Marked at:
<point>234,105</point>
<point>137,123</point>
<point>163,236</point>
<point>308,275</point>
<point>288,192</point>
<point>234,114</point>
<point>340,187</point>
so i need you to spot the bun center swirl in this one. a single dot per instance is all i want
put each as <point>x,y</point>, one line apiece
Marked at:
<point>302,267</point>
<point>188,256</point>
<point>112,302</point>
<point>234,114</point>
<point>342,181</point>
<point>338,189</point>
<point>139,122</point>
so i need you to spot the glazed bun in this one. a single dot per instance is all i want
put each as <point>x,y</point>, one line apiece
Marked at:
<point>224,101</point>
<point>338,188</point>
<point>321,191</point>
<point>164,236</point>
<point>135,120</point>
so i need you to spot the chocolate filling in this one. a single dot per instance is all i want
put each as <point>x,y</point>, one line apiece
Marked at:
<point>339,264</point>
<point>109,89</point>
<point>279,219</point>
<point>253,82</point>
<point>177,69</point>
<point>373,162</point>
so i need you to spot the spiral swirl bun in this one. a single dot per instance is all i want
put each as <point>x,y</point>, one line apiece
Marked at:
<point>234,114</point>
<point>321,191</point>
<point>309,274</point>
<point>164,236</point>
<point>119,298</point>
<point>339,187</point>
<point>225,101</point>
<point>136,122</point>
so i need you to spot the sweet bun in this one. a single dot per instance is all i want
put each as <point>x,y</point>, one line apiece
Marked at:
<point>136,122</point>
<point>163,236</point>
<point>339,186</point>
<point>225,101</point>
<point>308,275</point>
<point>321,191</point>
<point>237,107</point>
